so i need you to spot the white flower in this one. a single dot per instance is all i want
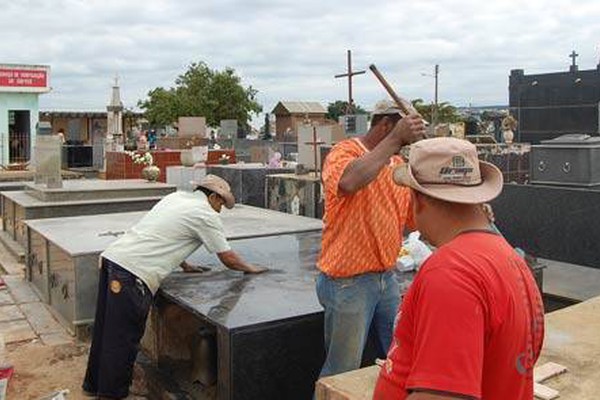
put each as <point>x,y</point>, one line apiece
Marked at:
<point>145,159</point>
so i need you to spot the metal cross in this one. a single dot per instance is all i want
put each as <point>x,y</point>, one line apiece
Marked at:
<point>574,56</point>
<point>350,74</point>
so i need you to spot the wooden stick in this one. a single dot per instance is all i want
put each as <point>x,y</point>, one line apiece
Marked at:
<point>397,99</point>
<point>389,89</point>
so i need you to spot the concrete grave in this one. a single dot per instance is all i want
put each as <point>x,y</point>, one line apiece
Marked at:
<point>63,253</point>
<point>76,197</point>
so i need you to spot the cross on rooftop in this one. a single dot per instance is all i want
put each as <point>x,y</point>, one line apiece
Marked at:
<point>574,56</point>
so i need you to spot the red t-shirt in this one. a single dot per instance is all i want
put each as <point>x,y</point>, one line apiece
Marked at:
<point>472,324</point>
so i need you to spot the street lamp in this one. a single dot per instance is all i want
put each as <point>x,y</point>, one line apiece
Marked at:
<point>532,84</point>
<point>434,111</point>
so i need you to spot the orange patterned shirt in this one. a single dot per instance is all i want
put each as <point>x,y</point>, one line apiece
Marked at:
<point>363,231</point>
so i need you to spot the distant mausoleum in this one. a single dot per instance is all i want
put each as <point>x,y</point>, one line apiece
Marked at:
<point>553,104</point>
<point>290,114</point>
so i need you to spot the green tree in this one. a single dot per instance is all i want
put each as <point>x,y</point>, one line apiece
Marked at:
<point>201,91</point>
<point>338,108</point>
<point>446,111</point>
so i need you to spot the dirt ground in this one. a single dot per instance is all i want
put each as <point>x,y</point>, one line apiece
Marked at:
<point>40,370</point>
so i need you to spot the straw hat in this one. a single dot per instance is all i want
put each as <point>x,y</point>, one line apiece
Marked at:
<point>219,186</point>
<point>448,169</point>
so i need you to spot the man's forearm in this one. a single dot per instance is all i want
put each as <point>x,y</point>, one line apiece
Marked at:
<point>362,171</point>
<point>232,261</point>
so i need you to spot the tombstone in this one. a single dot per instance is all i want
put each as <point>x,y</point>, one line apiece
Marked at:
<point>48,151</point>
<point>192,126</point>
<point>98,152</point>
<point>355,125</point>
<point>326,135</point>
<point>229,128</point>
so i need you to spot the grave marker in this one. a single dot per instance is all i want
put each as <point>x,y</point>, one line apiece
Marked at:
<point>48,161</point>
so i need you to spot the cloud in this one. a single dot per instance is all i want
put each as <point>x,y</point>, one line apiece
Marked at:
<point>291,50</point>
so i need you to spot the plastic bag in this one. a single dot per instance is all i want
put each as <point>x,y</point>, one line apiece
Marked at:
<point>414,252</point>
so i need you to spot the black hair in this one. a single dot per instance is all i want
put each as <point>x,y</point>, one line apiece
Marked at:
<point>206,191</point>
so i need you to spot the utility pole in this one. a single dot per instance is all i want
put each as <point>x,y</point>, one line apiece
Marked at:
<point>435,110</point>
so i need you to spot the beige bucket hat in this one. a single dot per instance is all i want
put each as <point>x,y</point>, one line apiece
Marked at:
<point>219,186</point>
<point>449,169</point>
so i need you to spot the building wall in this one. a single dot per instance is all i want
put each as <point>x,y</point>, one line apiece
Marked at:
<point>79,131</point>
<point>17,101</point>
<point>283,122</point>
<point>550,105</point>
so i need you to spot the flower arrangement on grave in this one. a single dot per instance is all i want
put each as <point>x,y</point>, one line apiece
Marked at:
<point>224,159</point>
<point>145,159</point>
<point>150,172</point>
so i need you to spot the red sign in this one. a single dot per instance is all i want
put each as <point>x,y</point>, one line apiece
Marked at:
<point>15,77</point>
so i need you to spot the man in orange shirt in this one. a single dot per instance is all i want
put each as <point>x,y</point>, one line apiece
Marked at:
<point>472,323</point>
<point>365,216</point>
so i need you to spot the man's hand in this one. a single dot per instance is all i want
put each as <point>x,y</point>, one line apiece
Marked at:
<point>187,267</point>
<point>408,130</point>
<point>233,261</point>
<point>253,269</point>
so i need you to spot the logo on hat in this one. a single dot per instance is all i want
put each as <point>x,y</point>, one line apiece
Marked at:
<point>460,171</point>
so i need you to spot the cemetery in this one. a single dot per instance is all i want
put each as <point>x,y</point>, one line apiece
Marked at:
<point>223,334</point>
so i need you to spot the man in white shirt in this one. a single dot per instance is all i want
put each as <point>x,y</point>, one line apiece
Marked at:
<point>133,268</point>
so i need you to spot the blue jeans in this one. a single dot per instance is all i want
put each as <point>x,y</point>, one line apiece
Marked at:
<point>353,306</point>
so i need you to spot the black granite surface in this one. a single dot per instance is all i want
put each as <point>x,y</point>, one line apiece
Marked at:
<point>551,222</point>
<point>232,299</point>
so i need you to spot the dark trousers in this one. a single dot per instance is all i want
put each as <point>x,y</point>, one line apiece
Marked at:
<point>121,311</point>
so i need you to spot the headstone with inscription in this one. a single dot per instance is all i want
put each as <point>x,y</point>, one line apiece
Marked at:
<point>48,151</point>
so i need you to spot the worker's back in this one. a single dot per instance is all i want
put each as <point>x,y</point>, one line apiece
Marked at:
<point>471,324</point>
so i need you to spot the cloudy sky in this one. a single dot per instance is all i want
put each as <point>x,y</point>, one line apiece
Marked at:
<point>291,49</point>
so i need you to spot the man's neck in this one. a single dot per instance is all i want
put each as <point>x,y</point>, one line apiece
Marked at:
<point>453,228</point>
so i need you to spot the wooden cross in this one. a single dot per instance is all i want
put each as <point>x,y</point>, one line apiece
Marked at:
<point>574,56</point>
<point>350,74</point>
<point>315,144</point>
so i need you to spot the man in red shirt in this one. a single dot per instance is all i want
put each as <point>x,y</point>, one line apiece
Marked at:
<point>472,324</point>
